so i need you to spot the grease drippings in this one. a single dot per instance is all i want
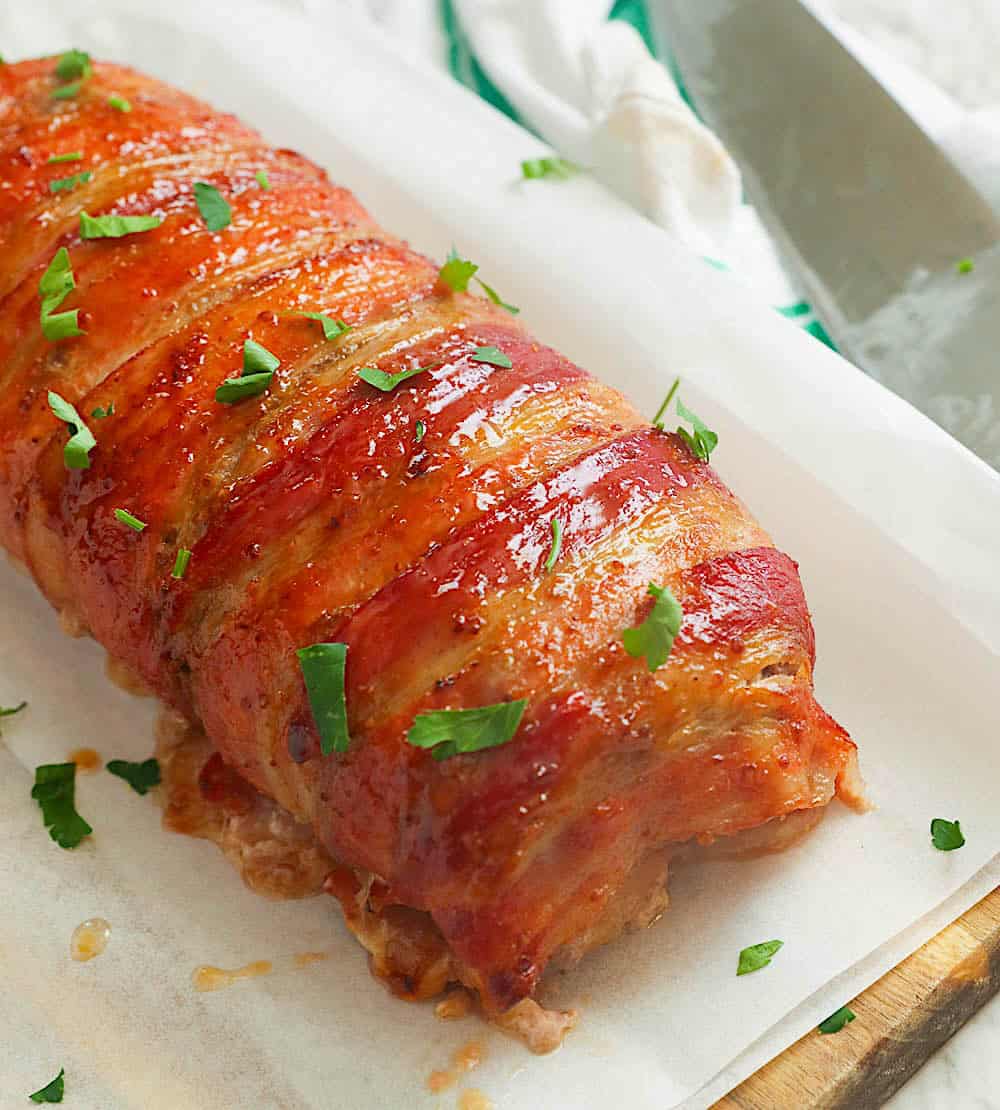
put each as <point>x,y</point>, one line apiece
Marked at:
<point>473,1099</point>
<point>463,1060</point>
<point>208,978</point>
<point>86,759</point>
<point>89,939</point>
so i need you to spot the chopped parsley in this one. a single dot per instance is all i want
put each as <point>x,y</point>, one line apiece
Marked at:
<point>51,1092</point>
<point>66,184</point>
<point>73,65</point>
<point>142,777</point>
<point>457,272</point>
<point>76,450</point>
<point>67,92</point>
<point>380,379</point>
<point>70,156</point>
<point>259,366</point>
<point>119,103</point>
<point>658,420</point>
<point>262,179</point>
<point>946,836</point>
<point>533,168</point>
<point>323,668</point>
<point>492,355</point>
<point>10,710</point>
<point>101,413</point>
<point>181,563</point>
<point>965,265</point>
<point>56,285</point>
<point>701,442</point>
<point>332,329</point>
<point>449,732</point>
<point>836,1021</point>
<point>54,790</point>
<point>419,431</point>
<point>213,206</point>
<point>557,533</point>
<point>757,956</point>
<point>655,636</point>
<point>133,522</point>
<point>114,227</point>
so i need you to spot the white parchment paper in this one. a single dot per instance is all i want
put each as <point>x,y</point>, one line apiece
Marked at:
<point>897,530</point>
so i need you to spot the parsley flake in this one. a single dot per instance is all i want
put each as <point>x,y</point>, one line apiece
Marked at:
<point>181,563</point>
<point>323,667</point>
<point>965,265</point>
<point>73,65</point>
<point>70,156</point>
<point>114,227</point>
<point>54,790</point>
<point>757,956</point>
<point>836,1021</point>
<point>534,168</point>
<point>701,442</point>
<point>213,206</point>
<point>387,382</point>
<point>262,179</point>
<point>51,1092</point>
<point>119,103</point>
<point>142,777</point>
<point>55,286</point>
<point>259,366</point>
<point>67,92</point>
<point>450,732</point>
<point>133,522</point>
<point>332,329</point>
<point>946,836</point>
<point>495,297</point>
<point>557,532</point>
<point>658,420</point>
<point>492,355</point>
<point>419,431</point>
<point>655,636</point>
<point>66,184</point>
<point>101,413</point>
<point>10,710</point>
<point>457,272</point>
<point>76,450</point>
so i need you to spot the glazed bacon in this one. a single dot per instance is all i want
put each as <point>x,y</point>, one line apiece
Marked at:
<point>315,513</point>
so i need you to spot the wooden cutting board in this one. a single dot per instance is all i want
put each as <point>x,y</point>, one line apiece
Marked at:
<point>901,1020</point>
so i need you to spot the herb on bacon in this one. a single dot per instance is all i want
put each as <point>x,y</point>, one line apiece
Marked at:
<point>133,522</point>
<point>262,179</point>
<point>181,563</point>
<point>323,667</point>
<point>387,382</point>
<point>557,533</point>
<point>55,790</point>
<point>56,285</point>
<point>51,1092</point>
<point>259,366</point>
<point>73,65</point>
<point>114,227</point>
<point>450,732</point>
<point>102,413</point>
<point>419,431</point>
<point>76,450</point>
<point>119,103</point>
<point>492,355</point>
<point>69,156</point>
<point>658,419</point>
<point>757,956</point>
<point>655,636</point>
<point>332,329</point>
<point>67,92</point>
<point>66,184</point>
<point>701,442</point>
<point>946,836</point>
<point>142,777</point>
<point>212,205</point>
<point>457,272</point>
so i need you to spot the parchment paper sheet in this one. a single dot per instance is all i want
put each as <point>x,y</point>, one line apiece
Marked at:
<point>897,530</point>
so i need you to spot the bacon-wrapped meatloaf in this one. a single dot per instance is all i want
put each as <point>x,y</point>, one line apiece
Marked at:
<point>209,479</point>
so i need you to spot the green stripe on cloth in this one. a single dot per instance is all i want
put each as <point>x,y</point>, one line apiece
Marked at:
<point>466,69</point>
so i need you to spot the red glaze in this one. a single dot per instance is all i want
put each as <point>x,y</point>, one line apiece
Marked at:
<point>314,514</point>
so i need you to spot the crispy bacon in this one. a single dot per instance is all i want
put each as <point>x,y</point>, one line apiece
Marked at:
<point>313,514</point>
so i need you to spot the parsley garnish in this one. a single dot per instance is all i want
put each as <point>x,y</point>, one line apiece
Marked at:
<point>70,156</point>
<point>119,103</point>
<point>114,227</point>
<point>701,442</point>
<point>73,65</point>
<point>757,956</point>
<point>946,835</point>
<point>388,382</point>
<point>493,355</point>
<point>212,205</point>
<point>655,636</point>
<point>56,285</point>
<point>10,710</point>
<point>181,563</point>
<point>419,431</point>
<point>262,179</point>
<point>457,272</point>
<point>332,328</point>
<point>550,562</point>
<point>259,366</point>
<point>51,1092</point>
<point>76,451</point>
<point>67,92</point>
<point>133,522</point>
<point>836,1021</point>
<point>100,413</point>
<point>140,776</point>
<point>323,671</point>
<point>661,411</point>
<point>65,184</point>
<point>451,732</point>
<point>54,790</point>
<point>965,265</point>
<point>533,168</point>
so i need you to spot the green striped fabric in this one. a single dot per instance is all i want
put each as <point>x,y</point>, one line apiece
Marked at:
<point>465,68</point>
